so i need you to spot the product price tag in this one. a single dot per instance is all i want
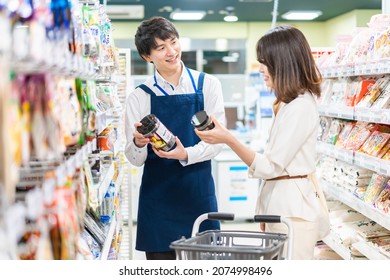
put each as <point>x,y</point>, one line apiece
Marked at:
<point>332,153</point>
<point>376,165</point>
<point>367,69</point>
<point>359,160</point>
<point>93,143</point>
<point>79,156</point>
<point>48,187</point>
<point>385,116</point>
<point>383,171</point>
<point>48,58</point>
<point>344,70</point>
<point>375,67</point>
<point>349,70</point>
<point>69,167</point>
<point>60,174</point>
<point>358,69</point>
<point>89,147</point>
<point>341,156</point>
<point>373,117</point>
<point>385,66</point>
<point>84,153</point>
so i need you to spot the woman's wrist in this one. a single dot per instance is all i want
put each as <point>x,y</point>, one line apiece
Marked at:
<point>230,139</point>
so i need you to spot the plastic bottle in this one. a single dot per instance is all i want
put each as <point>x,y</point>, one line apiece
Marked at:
<point>201,121</point>
<point>161,137</point>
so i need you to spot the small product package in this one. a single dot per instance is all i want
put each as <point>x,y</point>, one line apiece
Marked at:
<point>202,121</point>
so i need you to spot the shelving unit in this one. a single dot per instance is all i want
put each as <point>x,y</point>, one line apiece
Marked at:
<point>341,250</point>
<point>110,235</point>
<point>105,182</point>
<point>48,181</point>
<point>356,158</point>
<point>352,201</point>
<point>369,251</point>
<point>348,64</point>
<point>122,79</point>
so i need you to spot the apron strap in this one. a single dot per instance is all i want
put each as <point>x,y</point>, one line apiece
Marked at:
<point>146,89</point>
<point>192,79</point>
<point>200,82</point>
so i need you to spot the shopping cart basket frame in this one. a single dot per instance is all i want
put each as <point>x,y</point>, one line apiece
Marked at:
<point>222,244</point>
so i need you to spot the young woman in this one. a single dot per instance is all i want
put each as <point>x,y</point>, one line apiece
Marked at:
<point>288,161</point>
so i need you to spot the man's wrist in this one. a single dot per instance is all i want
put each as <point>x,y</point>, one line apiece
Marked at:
<point>137,145</point>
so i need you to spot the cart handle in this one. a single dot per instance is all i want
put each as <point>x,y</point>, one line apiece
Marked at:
<point>210,216</point>
<point>279,219</point>
<point>267,219</point>
<point>220,216</point>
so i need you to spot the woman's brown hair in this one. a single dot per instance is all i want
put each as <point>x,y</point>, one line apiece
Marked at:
<point>287,55</point>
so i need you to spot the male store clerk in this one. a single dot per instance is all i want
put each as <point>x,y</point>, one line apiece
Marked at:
<point>177,186</point>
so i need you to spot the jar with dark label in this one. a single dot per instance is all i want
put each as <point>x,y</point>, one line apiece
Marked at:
<point>156,131</point>
<point>202,121</point>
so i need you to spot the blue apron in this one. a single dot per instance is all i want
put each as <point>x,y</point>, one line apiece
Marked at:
<point>172,196</point>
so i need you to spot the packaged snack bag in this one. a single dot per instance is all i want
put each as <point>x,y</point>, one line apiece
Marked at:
<point>375,143</point>
<point>363,88</point>
<point>344,134</point>
<point>374,92</point>
<point>374,188</point>
<point>359,134</point>
<point>383,200</point>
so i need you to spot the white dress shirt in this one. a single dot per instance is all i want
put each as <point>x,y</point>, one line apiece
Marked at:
<point>138,106</point>
<point>291,151</point>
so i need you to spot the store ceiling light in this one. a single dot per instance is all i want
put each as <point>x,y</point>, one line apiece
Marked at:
<point>301,15</point>
<point>230,18</point>
<point>187,15</point>
<point>229,59</point>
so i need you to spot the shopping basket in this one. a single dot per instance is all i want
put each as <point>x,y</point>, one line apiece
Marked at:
<point>233,245</point>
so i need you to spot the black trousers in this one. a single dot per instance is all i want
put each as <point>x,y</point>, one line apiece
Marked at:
<point>169,255</point>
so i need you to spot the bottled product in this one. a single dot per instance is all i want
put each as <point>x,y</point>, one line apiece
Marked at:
<point>202,121</point>
<point>161,137</point>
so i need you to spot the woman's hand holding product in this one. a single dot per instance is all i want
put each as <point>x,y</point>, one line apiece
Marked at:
<point>219,134</point>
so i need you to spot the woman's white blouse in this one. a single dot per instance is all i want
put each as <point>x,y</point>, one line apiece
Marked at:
<point>291,150</point>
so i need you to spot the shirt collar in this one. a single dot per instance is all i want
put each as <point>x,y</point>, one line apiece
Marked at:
<point>165,84</point>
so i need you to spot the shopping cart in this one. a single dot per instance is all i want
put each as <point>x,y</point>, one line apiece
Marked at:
<point>234,245</point>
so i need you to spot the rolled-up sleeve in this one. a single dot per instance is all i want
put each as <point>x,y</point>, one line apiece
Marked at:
<point>136,108</point>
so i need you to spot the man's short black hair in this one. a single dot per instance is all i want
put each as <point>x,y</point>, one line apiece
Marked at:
<point>149,30</point>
